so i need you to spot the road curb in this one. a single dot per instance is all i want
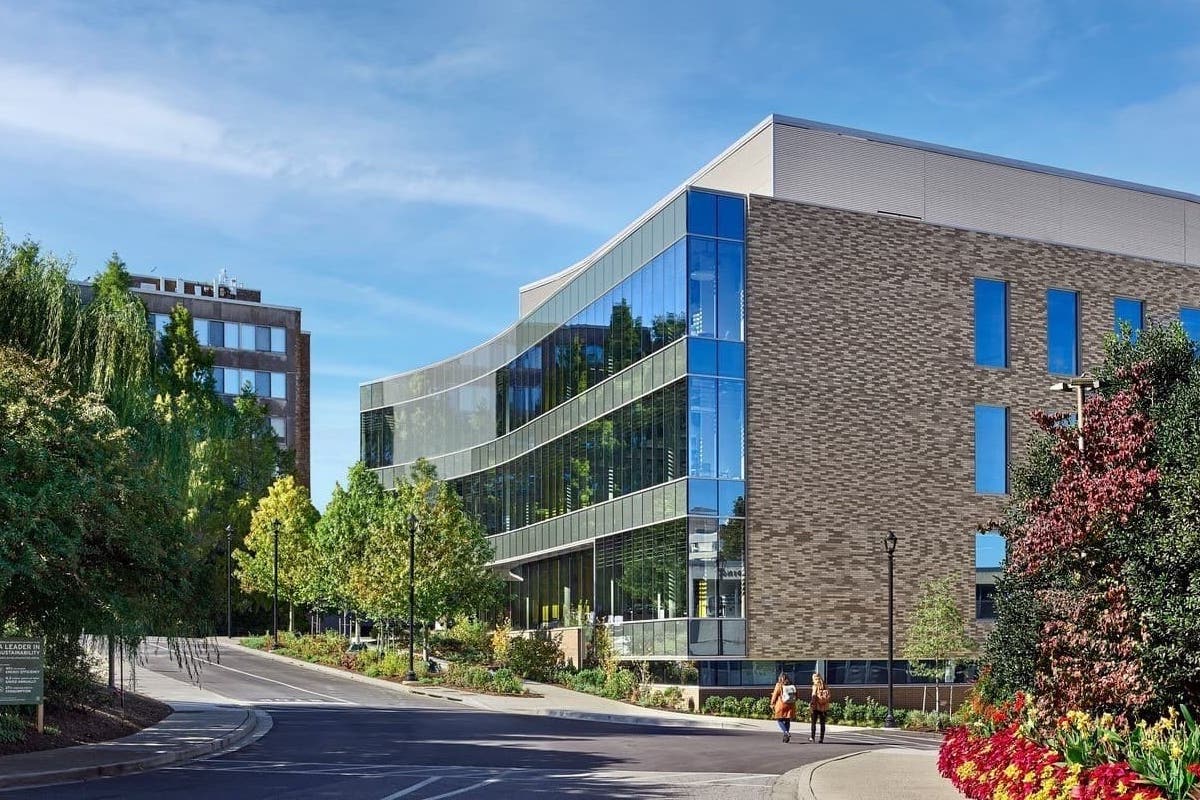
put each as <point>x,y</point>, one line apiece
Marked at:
<point>796,784</point>
<point>254,725</point>
<point>473,700</point>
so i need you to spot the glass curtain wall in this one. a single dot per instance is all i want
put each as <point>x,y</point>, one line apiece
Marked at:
<point>641,574</point>
<point>552,592</point>
<point>641,444</point>
<point>640,316</point>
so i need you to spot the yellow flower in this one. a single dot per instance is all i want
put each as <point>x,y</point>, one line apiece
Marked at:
<point>1121,788</point>
<point>967,770</point>
<point>1176,751</point>
<point>1029,777</point>
<point>1011,771</point>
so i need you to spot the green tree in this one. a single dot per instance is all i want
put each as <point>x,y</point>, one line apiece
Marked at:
<point>287,505</point>
<point>87,529</point>
<point>111,284</point>
<point>451,567</point>
<point>937,635</point>
<point>343,533</point>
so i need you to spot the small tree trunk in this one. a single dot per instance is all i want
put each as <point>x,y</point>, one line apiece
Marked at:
<point>937,702</point>
<point>291,617</point>
<point>925,698</point>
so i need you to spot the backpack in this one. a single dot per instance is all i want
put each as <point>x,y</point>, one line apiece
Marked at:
<point>789,693</point>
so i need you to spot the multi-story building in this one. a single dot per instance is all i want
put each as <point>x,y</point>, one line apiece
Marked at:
<point>703,431</point>
<point>253,344</point>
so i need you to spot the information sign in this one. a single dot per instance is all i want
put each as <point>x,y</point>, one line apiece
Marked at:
<point>22,663</point>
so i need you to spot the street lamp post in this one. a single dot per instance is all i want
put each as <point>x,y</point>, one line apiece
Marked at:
<point>229,581</point>
<point>275,584</point>
<point>889,544</point>
<point>1079,386</point>
<point>412,594</point>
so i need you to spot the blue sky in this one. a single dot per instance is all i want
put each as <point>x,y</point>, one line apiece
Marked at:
<point>397,170</point>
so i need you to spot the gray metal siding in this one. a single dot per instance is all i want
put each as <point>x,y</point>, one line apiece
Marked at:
<point>990,197</point>
<point>845,171</point>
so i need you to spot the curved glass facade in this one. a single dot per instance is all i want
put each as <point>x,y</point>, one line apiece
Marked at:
<point>576,435</point>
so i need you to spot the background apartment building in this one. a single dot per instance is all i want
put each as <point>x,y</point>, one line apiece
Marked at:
<point>252,344</point>
<point>703,431</point>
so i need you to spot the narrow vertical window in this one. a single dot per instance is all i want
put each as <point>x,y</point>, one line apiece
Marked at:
<point>1127,312</point>
<point>1190,319</point>
<point>989,561</point>
<point>278,340</point>
<point>991,323</point>
<point>991,449</point>
<point>278,385</point>
<point>1062,332</point>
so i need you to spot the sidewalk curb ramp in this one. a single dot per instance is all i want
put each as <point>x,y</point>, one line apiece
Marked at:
<point>253,726</point>
<point>797,783</point>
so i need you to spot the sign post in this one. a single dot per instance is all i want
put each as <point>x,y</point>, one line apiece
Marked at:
<point>22,665</point>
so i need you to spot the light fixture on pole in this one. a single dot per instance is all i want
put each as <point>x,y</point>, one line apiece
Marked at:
<point>275,584</point>
<point>1079,386</point>
<point>889,544</point>
<point>412,594</point>
<point>229,581</point>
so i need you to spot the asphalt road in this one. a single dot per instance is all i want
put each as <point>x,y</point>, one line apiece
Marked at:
<point>339,738</point>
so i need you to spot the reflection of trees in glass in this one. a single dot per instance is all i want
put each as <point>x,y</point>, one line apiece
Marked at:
<point>653,572</point>
<point>666,328</point>
<point>580,482</point>
<point>733,533</point>
<point>624,337</point>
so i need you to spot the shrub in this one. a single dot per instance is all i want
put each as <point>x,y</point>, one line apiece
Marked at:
<point>12,728</point>
<point>746,706</point>
<point>603,652</point>
<point>619,685</point>
<point>68,677</point>
<point>501,642</point>
<point>534,658</point>
<point>672,697</point>
<point>762,708</point>
<point>466,640</point>
<point>712,704</point>
<point>731,707</point>
<point>505,682</point>
<point>326,648</point>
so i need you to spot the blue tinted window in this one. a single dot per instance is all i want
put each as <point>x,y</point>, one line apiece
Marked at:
<point>730,290</point>
<point>702,287</point>
<point>1190,319</point>
<point>702,356</point>
<point>989,550</point>
<point>703,498</point>
<point>702,427</point>
<point>991,323</point>
<point>991,449</point>
<point>733,499</point>
<point>1128,312</point>
<point>731,430</point>
<point>1062,331</point>
<point>731,359</point>
<point>702,213</point>
<point>731,217</point>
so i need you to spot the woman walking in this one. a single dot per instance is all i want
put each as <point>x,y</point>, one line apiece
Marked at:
<point>783,704</point>
<point>819,705</point>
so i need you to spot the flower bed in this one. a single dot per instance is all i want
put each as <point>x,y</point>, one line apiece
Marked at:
<point>1007,753</point>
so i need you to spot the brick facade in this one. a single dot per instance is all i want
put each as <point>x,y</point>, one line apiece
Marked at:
<point>860,411</point>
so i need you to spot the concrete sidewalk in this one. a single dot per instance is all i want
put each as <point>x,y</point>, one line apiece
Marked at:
<point>202,723</point>
<point>555,701</point>
<point>884,774</point>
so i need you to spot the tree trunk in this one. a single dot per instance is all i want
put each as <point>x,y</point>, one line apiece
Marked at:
<point>925,698</point>
<point>937,702</point>
<point>291,617</point>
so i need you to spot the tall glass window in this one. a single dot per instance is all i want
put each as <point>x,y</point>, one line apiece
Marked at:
<point>731,429</point>
<point>1127,312</point>
<point>991,449</point>
<point>702,287</point>
<point>730,288</point>
<point>989,550</point>
<point>200,327</point>
<point>1190,319</point>
<point>702,427</point>
<point>1062,331</point>
<point>991,323</point>
<point>246,338</point>
<point>278,340</point>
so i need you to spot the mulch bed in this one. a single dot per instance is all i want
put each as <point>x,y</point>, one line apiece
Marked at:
<point>82,726</point>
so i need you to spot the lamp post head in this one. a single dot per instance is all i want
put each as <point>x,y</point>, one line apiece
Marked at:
<point>229,530</point>
<point>275,525</point>
<point>889,542</point>
<point>412,521</point>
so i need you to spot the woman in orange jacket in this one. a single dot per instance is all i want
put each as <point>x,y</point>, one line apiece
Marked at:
<point>783,704</point>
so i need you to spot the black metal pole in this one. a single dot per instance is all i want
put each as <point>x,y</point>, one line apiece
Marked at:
<point>275,589</point>
<point>890,720</point>
<point>412,595</point>
<point>229,581</point>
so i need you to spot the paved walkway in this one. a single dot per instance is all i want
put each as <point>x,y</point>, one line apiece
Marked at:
<point>884,774</point>
<point>202,723</point>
